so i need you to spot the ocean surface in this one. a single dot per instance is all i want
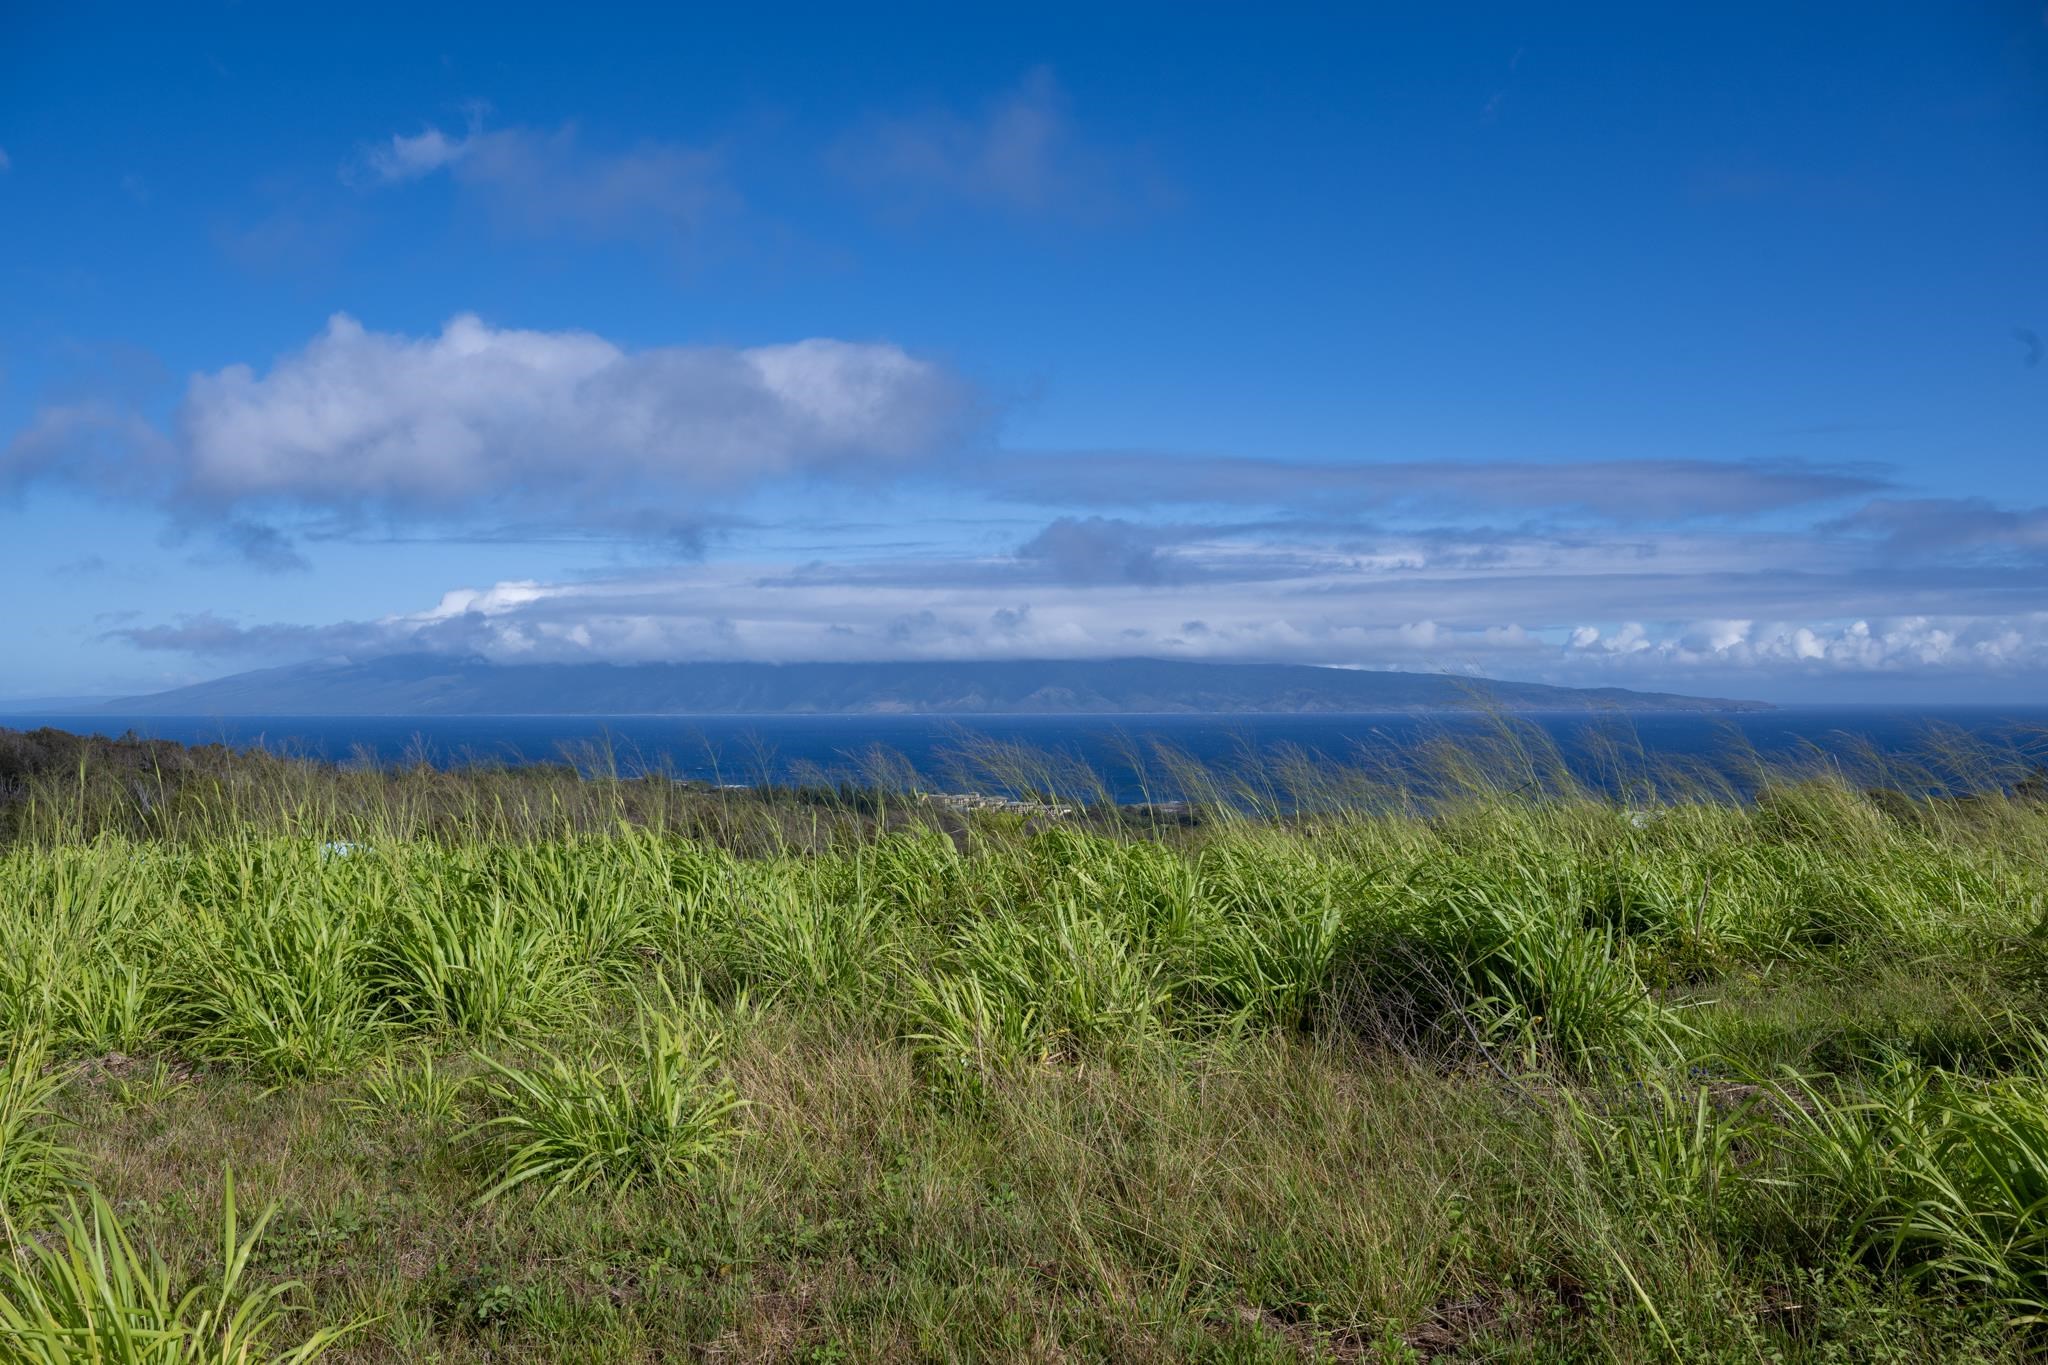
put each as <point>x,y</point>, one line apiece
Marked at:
<point>1139,757</point>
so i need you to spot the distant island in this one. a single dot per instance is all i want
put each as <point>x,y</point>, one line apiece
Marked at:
<point>435,685</point>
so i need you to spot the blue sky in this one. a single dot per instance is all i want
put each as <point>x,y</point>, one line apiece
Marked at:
<point>1623,345</point>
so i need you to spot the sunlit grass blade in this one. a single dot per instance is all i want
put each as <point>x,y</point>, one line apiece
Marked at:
<point>93,1295</point>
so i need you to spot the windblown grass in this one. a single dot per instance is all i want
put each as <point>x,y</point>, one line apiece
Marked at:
<point>35,1163</point>
<point>654,1115</point>
<point>1474,1062</point>
<point>95,1296</point>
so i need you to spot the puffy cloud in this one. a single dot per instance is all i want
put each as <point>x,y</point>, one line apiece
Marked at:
<point>562,427</point>
<point>448,419</point>
<point>1421,634</point>
<point>1629,638</point>
<point>1967,645</point>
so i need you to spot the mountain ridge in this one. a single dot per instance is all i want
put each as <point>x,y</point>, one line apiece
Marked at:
<point>424,685</point>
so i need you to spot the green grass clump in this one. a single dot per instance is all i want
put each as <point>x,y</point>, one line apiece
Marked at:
<point>93,1295</point>
<point>475,965</point>
<point>655,1114</point>
<point>1937,1176</point>
<point>35,1164</point>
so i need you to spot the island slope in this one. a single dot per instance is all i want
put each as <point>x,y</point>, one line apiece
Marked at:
<point>431,685</point>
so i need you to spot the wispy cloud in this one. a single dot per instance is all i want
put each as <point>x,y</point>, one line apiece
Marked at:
<point>262,545</point>
<point>1499,98</point>
<point>1022,153</point>
<point>547,181</point>
<point>1973,529</point>
<point>1098,550</point>
<point>205,635</point>
<point>301,235</point>
<point>409,156</point>
<point>1620,490</point>
<point>99,443</point>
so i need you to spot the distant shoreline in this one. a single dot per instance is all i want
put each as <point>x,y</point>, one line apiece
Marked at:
<point>1744,708</point>
<point>1132,757</point>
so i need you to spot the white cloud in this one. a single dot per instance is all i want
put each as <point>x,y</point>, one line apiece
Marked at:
<point>408,157</point>
<point>478,411</point>
<point>476,408</point>
<point>1575,608</point>
<point>1965,644</point>
<point>1021,152</point>
<point>6,161</point>
<point>1633,490</point>
<point>478,426</point>
<point>1629,638</point>
<point>562,428</point>
<point>769,612</point>
<point>544,182</point>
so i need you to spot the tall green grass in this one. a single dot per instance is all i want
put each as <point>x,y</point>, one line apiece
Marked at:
<point>35,1163</point>
<point>94,1295</point>
<point>1696,1051</point>
<point>654,1112</point>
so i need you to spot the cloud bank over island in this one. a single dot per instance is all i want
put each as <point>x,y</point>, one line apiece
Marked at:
<point>1635,612</point>
<point>1641,571</point>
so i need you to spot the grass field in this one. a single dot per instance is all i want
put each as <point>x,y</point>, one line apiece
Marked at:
<point>406,1067</point>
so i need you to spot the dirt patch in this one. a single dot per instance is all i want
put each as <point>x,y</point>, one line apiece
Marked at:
<point>1310,1342</point>
<point>1451,1326</point>
<point>121,1068</point>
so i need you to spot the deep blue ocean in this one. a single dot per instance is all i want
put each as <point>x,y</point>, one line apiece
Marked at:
<point>1133,755</point>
